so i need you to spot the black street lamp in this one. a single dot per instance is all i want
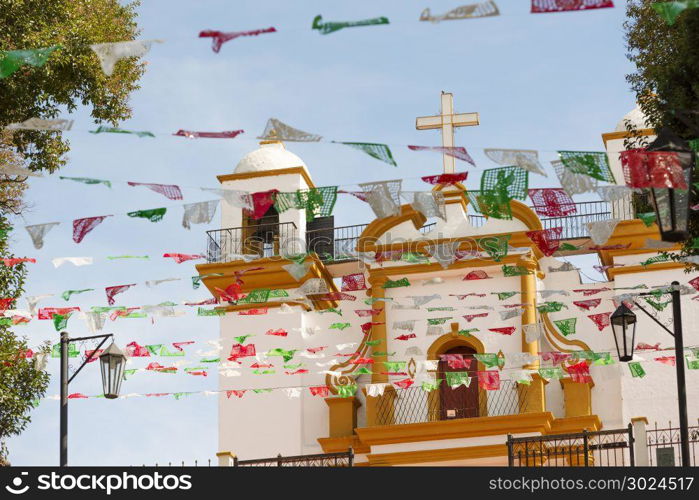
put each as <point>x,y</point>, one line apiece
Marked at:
<point>112,362</point>
<point>672,205</point>
<point>623,318</point>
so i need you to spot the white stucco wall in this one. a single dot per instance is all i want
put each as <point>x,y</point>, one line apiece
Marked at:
<point>655,395</point>
<point>259,425</point>
<point>617,397</point>
<point>233,216</point>
<point>263,425</point>
<point>621,208</point>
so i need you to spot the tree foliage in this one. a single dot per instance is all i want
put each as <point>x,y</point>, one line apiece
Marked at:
<point>666,57</point>
<point>21,383</point>
<point>71,77</point>
<point>12,187</point>
<point>666,80</point>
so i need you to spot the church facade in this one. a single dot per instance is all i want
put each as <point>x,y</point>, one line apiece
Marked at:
<point>439,372</point>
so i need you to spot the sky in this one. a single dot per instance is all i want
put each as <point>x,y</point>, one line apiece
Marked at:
<point>546,82</point>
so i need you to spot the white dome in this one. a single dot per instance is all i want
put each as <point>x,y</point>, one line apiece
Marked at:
<point>270,156</point>
<point>636,117</point>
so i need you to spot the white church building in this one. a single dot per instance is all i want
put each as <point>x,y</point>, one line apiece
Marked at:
<point>335,342</point>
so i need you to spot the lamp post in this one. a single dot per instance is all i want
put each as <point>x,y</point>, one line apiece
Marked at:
<point>112,362</point>
<point>623,318</point>
<point>672,205</point>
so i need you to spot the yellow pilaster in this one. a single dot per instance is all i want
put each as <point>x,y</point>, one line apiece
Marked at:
<point>378,332</point>
<point>532,397</point>
<point>577,397</point>
<point>379,410</point>
<point>528,289</point>
<point>343,416</point>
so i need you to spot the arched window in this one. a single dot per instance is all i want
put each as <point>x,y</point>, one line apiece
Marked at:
<point>261,236</point>
<point>461,402</point>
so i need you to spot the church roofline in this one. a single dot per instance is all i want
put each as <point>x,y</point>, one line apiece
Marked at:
<point>623,134</point>
<point>268,173</point>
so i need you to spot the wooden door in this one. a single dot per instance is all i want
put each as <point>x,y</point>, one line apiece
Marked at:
<point>261,233</point>
<point>461,402</point>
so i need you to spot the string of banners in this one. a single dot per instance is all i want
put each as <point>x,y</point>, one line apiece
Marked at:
<point>298,268</point>
<point>276,130</point>
<point>315,287</point>
<point>548,241</point>
<point>96,316</point>
<point>579,172</point>
<point>110,53</point>
<point>229,366</point>
<point>558,365</point>
<point>567,326</point>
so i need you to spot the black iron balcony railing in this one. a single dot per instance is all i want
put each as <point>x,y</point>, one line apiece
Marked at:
<point>341,459</point>
<point>607,448</point>
<point>664,442</point>
<point>414,405</point>
<point>575,225</point>
<point>338,243</point>
<point>264,240</point>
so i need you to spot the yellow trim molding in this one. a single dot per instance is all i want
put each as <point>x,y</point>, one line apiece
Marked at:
<point>339,444</point>
<point>543,423</point>
<point>265,305</point>
<point>553,336</point>
<point>456,429</point>
<point>575,424</point>
<point>272,275</point>
<point>441,455</point>
<point>610,136</point>
<point>268,173</point>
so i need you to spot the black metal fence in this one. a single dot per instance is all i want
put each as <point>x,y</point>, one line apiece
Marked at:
<point>184,464</point>
<point>664,445</point>
<point>414,405</point>
<point>264,240</point>
<point>338,247</point>
<point>337,243</point>
<point>608,448</point>
<point>575,225</point>
<point>341,459</point>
